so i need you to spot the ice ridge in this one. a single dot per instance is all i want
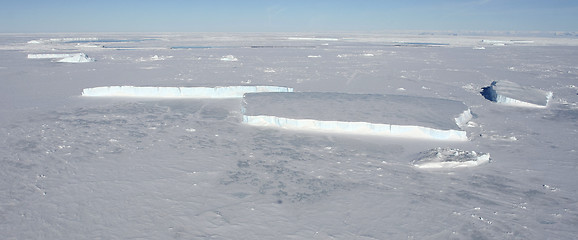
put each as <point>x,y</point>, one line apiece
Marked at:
<point>180,92</point>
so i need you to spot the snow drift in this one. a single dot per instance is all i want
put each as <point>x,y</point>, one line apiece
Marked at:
<point>370,114</point>
<point>450,158</point>
<point>179,92</point>
<point>63,57</point>
<point>510,93</point>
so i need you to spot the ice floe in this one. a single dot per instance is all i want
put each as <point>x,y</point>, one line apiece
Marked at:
<point>367,114</point>
<point>510,93</point>
<point>450,158</point>
<point>179,92</point>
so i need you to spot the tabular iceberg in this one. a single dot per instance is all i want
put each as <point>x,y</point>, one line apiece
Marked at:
<point>368,114</point>
<point>49,55</point>
<point>179,92</point>
<point>510,93</point>
<point>63,57</point>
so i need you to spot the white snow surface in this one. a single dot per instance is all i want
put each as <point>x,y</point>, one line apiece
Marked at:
<point>443,158</point>
<point>75,167</point>
<point>510,93</point>
<point>179,92</point>
<point>371,114</point>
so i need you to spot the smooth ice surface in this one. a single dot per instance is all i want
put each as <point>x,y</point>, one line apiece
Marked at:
<point>511,93</point>
<point>179,92</point>
<point>441,158</point>
<point>373,114</point>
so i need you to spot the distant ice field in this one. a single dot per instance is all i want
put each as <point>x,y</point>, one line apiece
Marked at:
<point>73,167</point>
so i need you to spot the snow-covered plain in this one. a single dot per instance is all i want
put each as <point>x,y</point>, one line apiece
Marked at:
<point>73,167</point>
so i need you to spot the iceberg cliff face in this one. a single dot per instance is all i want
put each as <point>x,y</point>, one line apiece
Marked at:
<point>179,92</point>
<point>362,128</point>
<point>370,114</point>
<point>510,93</point>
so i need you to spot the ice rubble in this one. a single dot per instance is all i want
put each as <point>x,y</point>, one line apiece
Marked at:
<point>179,92</point>
<point>510,93</point>
<point>450,158</point>
<point>63,57</point>
<point>368,114</point>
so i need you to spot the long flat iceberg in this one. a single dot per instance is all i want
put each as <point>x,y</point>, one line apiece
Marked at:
<point>510,93</point>
<point>179,92</point>
<point>62,57</point>
<point>49,55</point>
<point>367,114</point>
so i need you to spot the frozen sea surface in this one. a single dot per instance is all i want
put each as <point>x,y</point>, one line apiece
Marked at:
<point>121,168</point>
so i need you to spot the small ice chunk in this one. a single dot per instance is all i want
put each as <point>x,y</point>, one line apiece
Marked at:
<point>450,158</point>
<point>229,58</point>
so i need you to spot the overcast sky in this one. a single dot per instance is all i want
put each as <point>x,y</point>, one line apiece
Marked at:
<point>286,16</point>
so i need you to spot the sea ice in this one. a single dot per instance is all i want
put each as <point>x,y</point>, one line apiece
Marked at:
<point>450,158</point>
<point>179,92</point>
<point>510,93</point>
<point>371,114</point>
